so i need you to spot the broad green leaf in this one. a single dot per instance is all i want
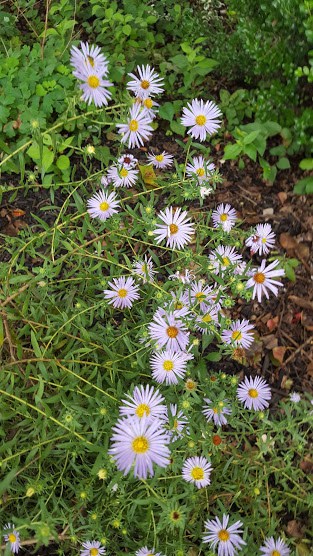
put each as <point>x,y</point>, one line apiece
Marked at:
<point>232,152</point>
<point>250,137</point>
<point>63,162</point>
<point>283,163</point>
<point>306,164</point>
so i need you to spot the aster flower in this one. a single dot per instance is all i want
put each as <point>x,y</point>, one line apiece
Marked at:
<point>169,331</point>
<point>200,169</point>
<point>294,397</point>
<point>105,182</point>
<point>89,57</point>
<point>185,277</point>
<point>92,548</point>
<point>148,84</point>
<point>176,228</point>
<point>199,294</point>
<point>136,442</point>
<point>12,536</point>
<point>102,205</point>
<point>94,87</point>
<point>122,177</point>
<point>274,548</point>
<point>216,412</point>
<point>138,128</point>
<point>224,257</point>
<point>197,470</point>
<point>168,366</point>
<point>162,160</point>
<point>254,393</point>
<point>202,118</point>
<point>128,161</point>
<point>239,334</point>
<point>205,191</point>
<point>123,292</point>
<point>179,421</point>
<point>147,552</point>
<point>145,402</point>
<point>227,538</point>
<point>263,240</point>
<point>224,217</point>
<point>149,106</point>
<point>144,269</point>
<point>262,279</point>
<point>209,316</point>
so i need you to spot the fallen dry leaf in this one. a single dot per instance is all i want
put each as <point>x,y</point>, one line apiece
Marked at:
<point>272,323</point>
<point>270,341</point>
<point>18,213</point>
<point>279,353</point>
<point>295,529</point>
<point>301,302</point>
<point>287,241</point>
<point>282,196</point>
<point>306,465</point>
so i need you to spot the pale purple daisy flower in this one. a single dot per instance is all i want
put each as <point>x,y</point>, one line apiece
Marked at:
<point>169,331</point>
<point>122,177</point>
<point>12,536</point>
<point>240,268</point>
<point>102,205</point>
<point>105,182</point>
<point>216,412</point>
<point>136,442</point>
<point>147,552</point>
<point>162,160</point>
<point>262,279</point>
<point>89,57</point>
<point>148,84</point>
<point>208,318</point>
<point>202,118</point>
<point>200,169</point>
<point>123,292</point>
<point>239,334</point>
<point>199,294</point>
<point>138,128</point>
<point>128,161</point>
<point>176,228</point>
<point>224,217</point>
<point>94,88</point>
<point>197,470</point>
<point>144,269</point>
<point>227,538</point>
<point>274,548</point>
<point>185,277</point>
<point>168,366</point>
<point>92,548</point>
<point>224,257</point>
<point>263,239</point>
<point>177,420</point>
<point>294,397</point>
<point>254,393</point>
<point>149,106</point>
<point>145,402</point>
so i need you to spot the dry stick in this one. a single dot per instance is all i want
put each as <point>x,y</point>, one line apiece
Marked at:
<point>46,27</point>
<point>8,336</point>
<point>15,294</point>
<point>293,355</point>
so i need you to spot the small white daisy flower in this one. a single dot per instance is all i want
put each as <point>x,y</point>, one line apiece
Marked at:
<point>122,177</point>
<point>263,240</point>
<point>145,402</point>
<point>144,269</point>
<point>102,205</point>
<point>185,277</point>
<point>89,57</point>
<point>199,294</point>
<point>149,106</point>
<point>262,279</point>
<point>224,257</point>
<point>209,317</point>
<point>227,538</point>
<point>140,444</point>
<point>12,536</point>
<point>224,217</point>
<point>254,393</point>
<point>92,548</point>
<point>169,331</point>
<point>148,84</point>
<point>274,548</point>
<point>176,228</point>
<point>205,191</point>
<point>105,182</point>
<point>294,397</point>
<point>197,470</point>
<point>128,161</point>
<point>178,421</point>
<point>162,160</point>
<point>202,118</point>
<point>239,334</point>
<point>168,366</point>
<point>123,292</point>
<point>216,412</point>
<point>200,169</point>
<point>138,128</point>
<point>147,552</point>
<point>94,88</point>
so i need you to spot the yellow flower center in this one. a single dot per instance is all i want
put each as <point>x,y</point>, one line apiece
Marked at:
<point>11,537</point>
<point>200,296</point>
<point>263,240</point>
<point>200,172</point>
<point>92,63</point>
<point>140,445</point>
<point>200,120</point>
<point>145,84</point>
<point>223,535</point>
<point>104,206</point>
<point>172,331</point>
<point>133,125</point>
<point>206,318</point>
<point>93,552</point>
<point>168,365</point>
<point>124,173</point>
<point>226,261</point>
<point>148,102</point>
<point>221,404</point>
<point>197,473</point>
<point>259,277</point>
<point>142,409</point>
<point>175,424</point>
<point>122,292</point>
<point>214,409</point>
<point>179,305</point>
<point>159,157</point>
<point>173,228</point>
<point>190,384</point>
<point>236,335</point>
<point>275,553</point>
<point>93,81</point>
<point>144,268</point>
<point>253,393</point>
<point>223,217</point>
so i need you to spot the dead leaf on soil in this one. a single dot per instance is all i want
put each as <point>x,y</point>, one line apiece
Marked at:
<point>282,196</point>
<point>301,302</point>
<point>287,241</point>
<point>279,353</point>
<point>306,465</point>
<point>309,369</point>
<point>270,341</point>
<point>272,323</point>
<point>293,247</point>
<point>295,529</point>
